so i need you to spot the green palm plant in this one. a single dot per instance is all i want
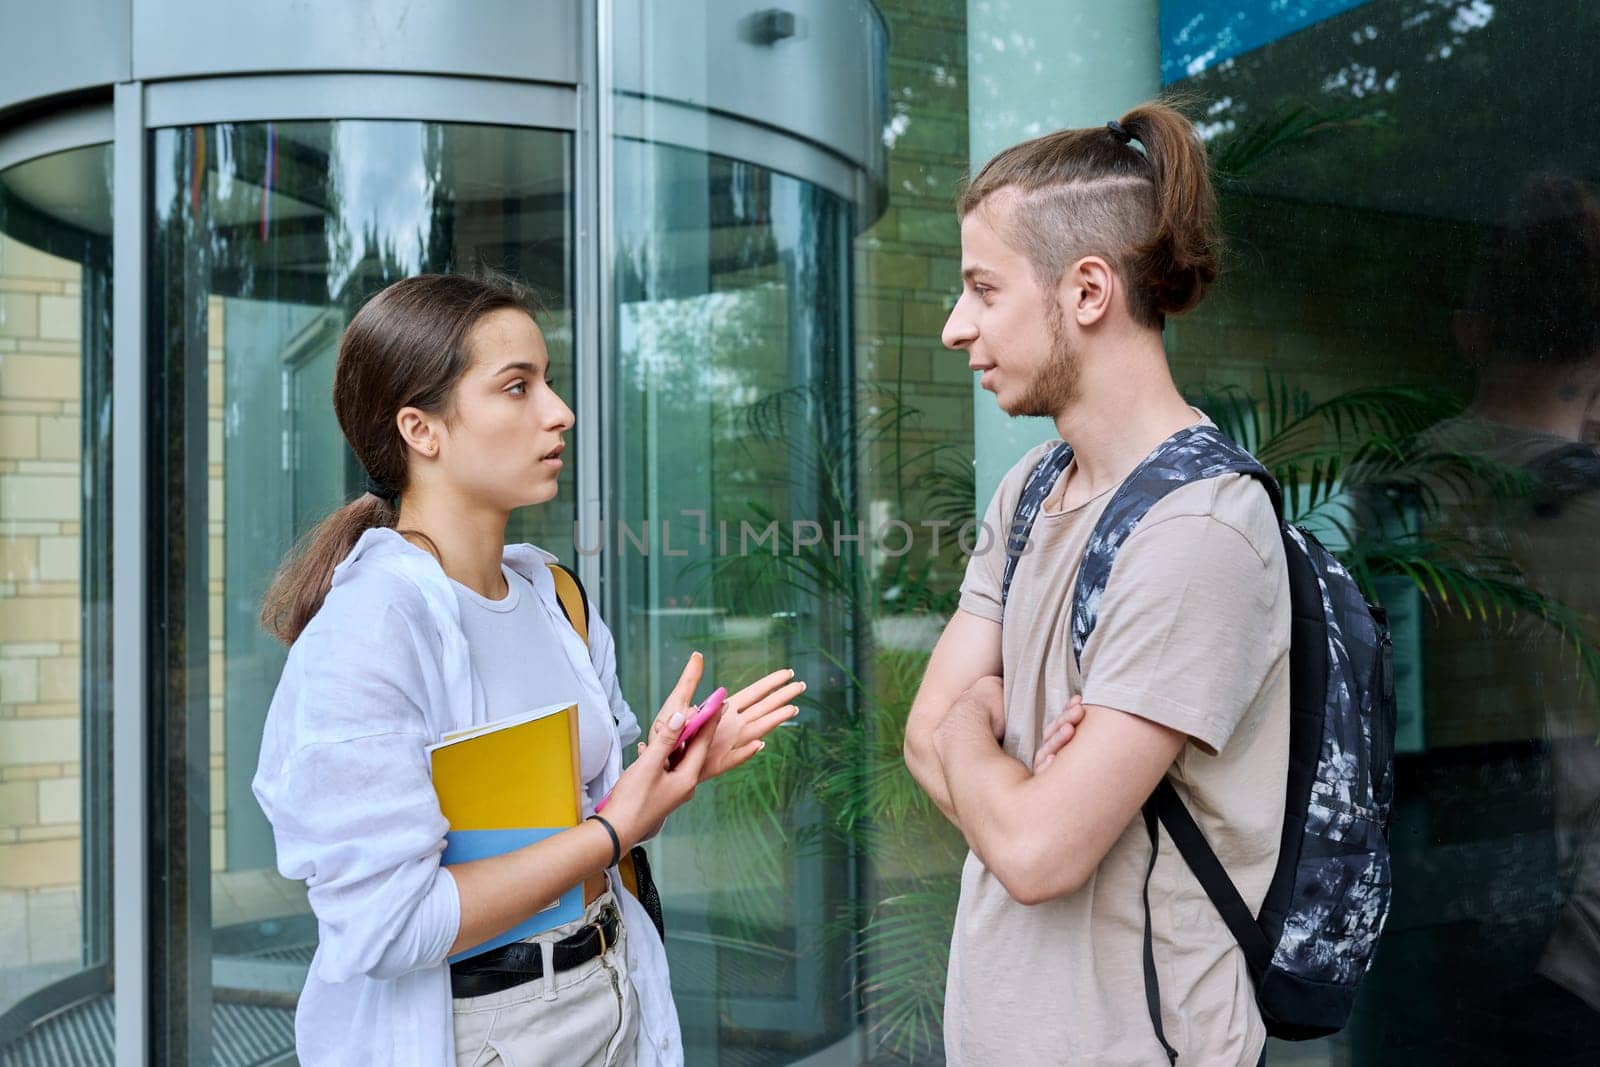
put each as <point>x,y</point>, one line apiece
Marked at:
<point>902,956</point>
<point>1360,470</point>
<point>1240,153</point>
<point>846,766</point>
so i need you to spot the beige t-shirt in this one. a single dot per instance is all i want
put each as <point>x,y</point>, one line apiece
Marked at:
<point>1193,633</point>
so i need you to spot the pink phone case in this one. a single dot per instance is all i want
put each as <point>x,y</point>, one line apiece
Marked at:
<point>707,712</point>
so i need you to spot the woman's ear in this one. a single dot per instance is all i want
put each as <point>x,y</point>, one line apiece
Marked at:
<point>1086,290</point>
<point>418,431</point>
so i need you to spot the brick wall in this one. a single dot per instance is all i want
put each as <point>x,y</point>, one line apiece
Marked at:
<point>908,262</point>
<point>1327,299</point>
<point>39,567</point>
<point>40,591</point>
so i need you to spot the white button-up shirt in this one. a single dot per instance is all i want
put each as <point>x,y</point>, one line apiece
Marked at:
<point>380,673</point>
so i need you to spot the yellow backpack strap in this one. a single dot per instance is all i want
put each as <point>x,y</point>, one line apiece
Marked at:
<point>574,603</point>
<point>575,606</point>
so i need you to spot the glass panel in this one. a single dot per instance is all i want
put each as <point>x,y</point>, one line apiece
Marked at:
<point>914,422</point>
<point>1410,222</point>
<point>55,589</point>
<point>267,237</point>
<point>733,421</point>
<point>779,371</point>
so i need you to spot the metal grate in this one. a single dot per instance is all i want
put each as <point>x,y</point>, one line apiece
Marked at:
<point>82,1034</point>
<point>289,954</point>
<point>243,1035</point>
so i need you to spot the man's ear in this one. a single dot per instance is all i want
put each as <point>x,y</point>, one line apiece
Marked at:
<point>1087,289</point>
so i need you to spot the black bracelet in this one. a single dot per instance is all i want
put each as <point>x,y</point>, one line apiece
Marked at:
<point>616,842</point>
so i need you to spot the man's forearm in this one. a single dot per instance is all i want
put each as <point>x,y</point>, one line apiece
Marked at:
<point>968,651</point>
<point>1043,835</point>
<point>983,787</point>
<point>928,771</point>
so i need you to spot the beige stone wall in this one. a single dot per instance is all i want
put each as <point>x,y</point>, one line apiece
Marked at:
<point>40,659</point>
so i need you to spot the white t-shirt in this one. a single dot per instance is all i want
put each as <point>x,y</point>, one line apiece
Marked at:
<point>517,654</point>
<point>381,672</point>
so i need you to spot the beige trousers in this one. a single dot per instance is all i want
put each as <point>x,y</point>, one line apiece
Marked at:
<point>584,1017</point>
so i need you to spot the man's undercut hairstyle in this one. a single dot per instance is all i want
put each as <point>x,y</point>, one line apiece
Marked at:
<point>1137,192</point>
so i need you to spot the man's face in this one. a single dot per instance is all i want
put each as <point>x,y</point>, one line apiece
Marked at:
<point>1011,327</point>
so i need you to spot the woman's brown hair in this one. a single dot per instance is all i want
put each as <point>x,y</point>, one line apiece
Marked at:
<point>406,347</point>
<point>1137,192</point>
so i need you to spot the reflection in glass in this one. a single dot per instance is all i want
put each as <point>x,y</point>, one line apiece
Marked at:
<point>267,237</point>
<point>55,574</point>
<point>1400,220</point>
<point>733,425</point>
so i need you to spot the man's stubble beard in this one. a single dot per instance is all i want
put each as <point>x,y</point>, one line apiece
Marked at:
<point>1055,385</point>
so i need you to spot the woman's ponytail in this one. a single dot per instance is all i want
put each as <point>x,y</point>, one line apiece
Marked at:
<point>306,574</point>
<point>1179,261</point>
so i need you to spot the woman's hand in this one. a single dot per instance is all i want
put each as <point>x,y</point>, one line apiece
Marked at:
<point>747,717</point>
<point>649,790</point>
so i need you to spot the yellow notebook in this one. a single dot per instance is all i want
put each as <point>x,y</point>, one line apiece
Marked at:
<point>511,773</point>
<point>507,784</point>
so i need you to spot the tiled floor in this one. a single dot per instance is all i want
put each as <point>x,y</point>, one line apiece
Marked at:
<point>245,896</point>
<point>39,925</point>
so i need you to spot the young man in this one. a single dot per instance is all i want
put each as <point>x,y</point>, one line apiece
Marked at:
<point>1075,247</point>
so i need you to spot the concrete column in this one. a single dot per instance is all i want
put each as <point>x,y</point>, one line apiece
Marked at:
<point>1034,66</point>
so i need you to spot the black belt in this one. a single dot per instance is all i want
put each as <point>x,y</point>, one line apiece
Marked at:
<point>523,961</point>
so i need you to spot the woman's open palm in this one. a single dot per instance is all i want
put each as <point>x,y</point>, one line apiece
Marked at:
<point>747,717</point>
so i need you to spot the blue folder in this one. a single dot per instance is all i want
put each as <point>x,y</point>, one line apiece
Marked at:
<point>462,846</point>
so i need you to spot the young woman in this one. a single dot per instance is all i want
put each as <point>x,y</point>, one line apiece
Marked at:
<point>408,617</point>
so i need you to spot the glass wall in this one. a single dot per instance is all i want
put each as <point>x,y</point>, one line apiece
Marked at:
<point>914,419</point>
<point>1410,292</point>
<point>1420,247</point>
<point>266,238</point>
<point>774,407</point>
<point>55,575</point>
<point>733,448</point>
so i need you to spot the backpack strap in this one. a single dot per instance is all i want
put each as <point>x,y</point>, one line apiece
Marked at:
<point>574,601</point>
<point>634,866</point>
<point>1166,806</point>
<point>1040,481</point>
<point>1193,454</point>
<point>1196,852</point>
<point>1152,984</point>
<point>1563,473</point>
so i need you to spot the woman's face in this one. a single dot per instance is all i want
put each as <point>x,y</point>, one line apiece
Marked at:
<point>502,442</point>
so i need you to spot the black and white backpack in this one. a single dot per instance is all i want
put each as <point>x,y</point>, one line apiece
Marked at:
<point>1319,924</point>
